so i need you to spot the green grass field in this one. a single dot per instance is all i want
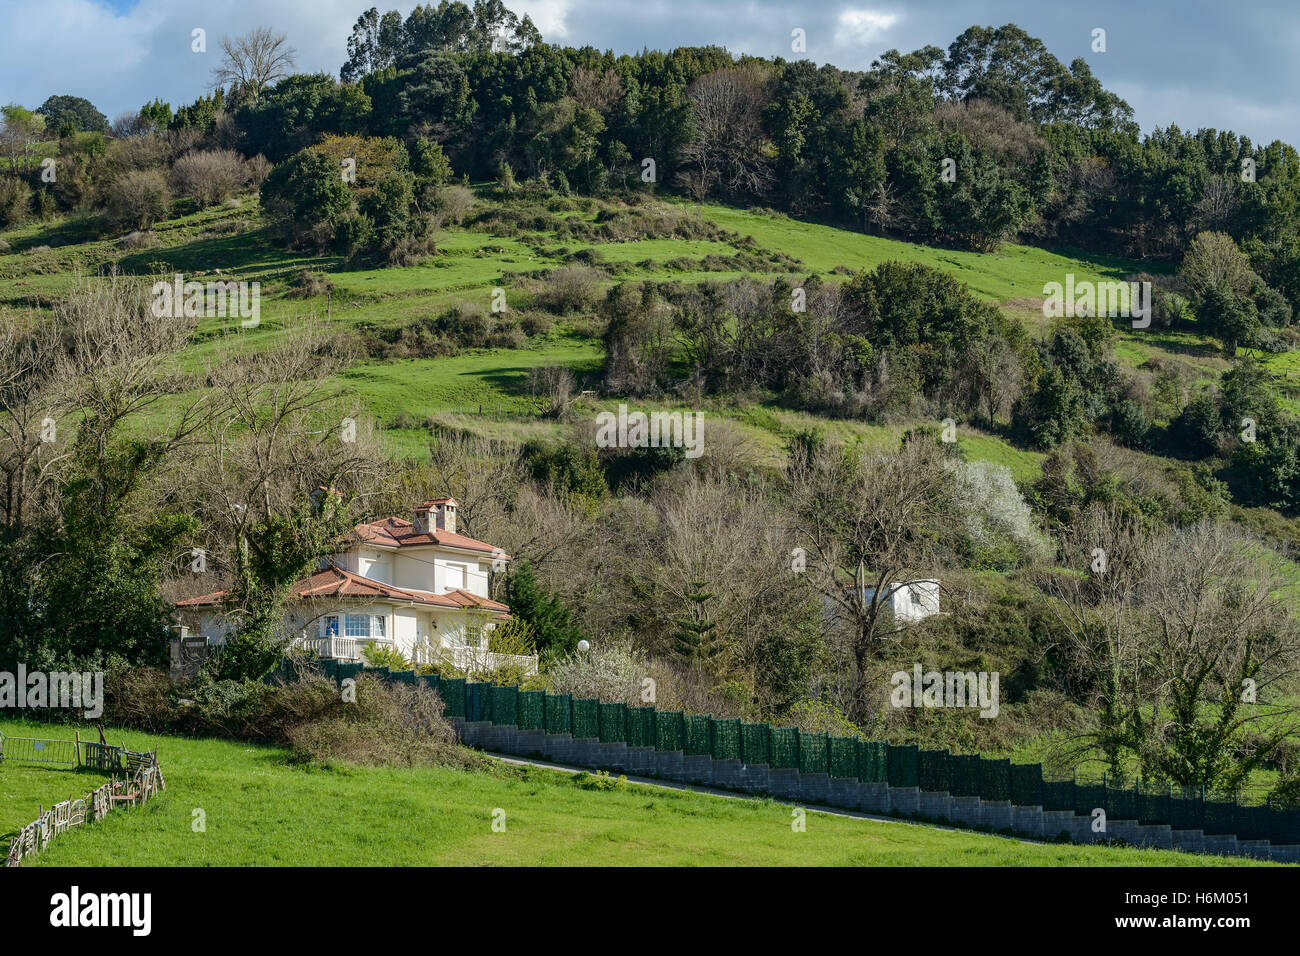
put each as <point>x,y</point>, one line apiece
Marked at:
<point>258,809</point>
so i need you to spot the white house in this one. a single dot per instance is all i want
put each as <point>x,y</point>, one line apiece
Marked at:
<point>911,601</point>
<point>416,585</point>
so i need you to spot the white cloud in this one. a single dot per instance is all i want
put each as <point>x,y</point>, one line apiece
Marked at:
<point>861,27</point>
<point>548,16</point>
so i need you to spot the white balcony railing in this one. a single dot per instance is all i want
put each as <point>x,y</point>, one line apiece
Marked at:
<point>338,648</point>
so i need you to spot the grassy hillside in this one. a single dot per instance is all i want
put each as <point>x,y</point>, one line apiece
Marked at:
<point>403,394</point>
<point>259,809</point>
<point>486,390</point>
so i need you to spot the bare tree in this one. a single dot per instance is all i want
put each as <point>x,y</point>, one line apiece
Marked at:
<point>868,524</point>
<point>482,474</point>
<point>729,147</point>
<point>1186,640</point>
<point>254,61</point>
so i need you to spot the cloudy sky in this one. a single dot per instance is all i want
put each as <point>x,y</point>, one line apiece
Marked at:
<point>1194,63</point>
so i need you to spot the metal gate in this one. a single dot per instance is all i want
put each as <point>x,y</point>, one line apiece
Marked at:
<point>36,750</point>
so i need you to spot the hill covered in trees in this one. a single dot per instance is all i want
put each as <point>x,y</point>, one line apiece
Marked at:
<point>846,271</point>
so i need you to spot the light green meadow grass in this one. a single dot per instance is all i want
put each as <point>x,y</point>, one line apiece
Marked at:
<point>258,809</point>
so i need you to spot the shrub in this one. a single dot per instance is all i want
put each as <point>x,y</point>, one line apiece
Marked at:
<point>1129,424</point>
<point>308,284</point>
<point>209,177</point>
<point>389,724</point>
<point>138,198</point>
<point>999,526</point>
<point>308,196</point>
<point>454,203</point>
<point>819,717</point>
<point>570,288</point>
<point>139,240</point>
<point>611,671</point>
<point>256,170</point>
<point>15,201</point>
<point>385,655</point>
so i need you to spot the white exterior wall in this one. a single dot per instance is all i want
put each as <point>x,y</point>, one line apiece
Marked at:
<point>910,602</point>
<point>429,569</point>
<point>408,630</point>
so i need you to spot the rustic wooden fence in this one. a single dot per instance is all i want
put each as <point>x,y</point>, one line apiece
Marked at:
<point>145,781</point>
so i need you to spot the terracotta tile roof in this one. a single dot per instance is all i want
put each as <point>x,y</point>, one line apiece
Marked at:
<point>334,582</point>
<point>400,533</point>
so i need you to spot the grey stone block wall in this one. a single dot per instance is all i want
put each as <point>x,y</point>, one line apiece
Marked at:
<point>586,751</point>
<point>1126,830</point>
<point>965,810</point>
<point>530,742</point>
<point>784,783</point>
<point>875,798</point>
<point>1193,841</point>
<point>845,793</point>
<point>697,768</point>
<point>755,778</point>
<point>906,800</point>
<point>1158,835</point>
<point>815,787</point>
<point>558,747</point>
<point>1285,852</point>
<point>1055,821</point>
<point>726,774</point>
<point>1028,820</point>
<point>995,814</point>
<point>1253,848</point>
<point>668,764</point>
<point>641,760</point>
<point>612,756</point>
<point>1221,844</point>
<point>934,803</point>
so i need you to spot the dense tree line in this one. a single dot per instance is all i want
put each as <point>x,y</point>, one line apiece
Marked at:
<point>990,140</point>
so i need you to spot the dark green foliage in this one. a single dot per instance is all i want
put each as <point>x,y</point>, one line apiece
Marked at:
<point>553,626</point>
<point>566,467</point>
<point>307,194</point>
<point>65,115</point>
<point>298,111</point>
<point>695,639</point>
<point>1196,430</point>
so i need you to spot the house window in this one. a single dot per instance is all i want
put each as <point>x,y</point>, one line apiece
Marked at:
<point>454,577</point>
<point>363,625</point>
<point>330,627</point>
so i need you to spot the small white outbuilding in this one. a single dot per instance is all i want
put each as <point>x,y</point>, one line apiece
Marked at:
<point>910,601</point>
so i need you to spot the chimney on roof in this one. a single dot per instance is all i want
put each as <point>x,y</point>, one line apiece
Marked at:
<point>436,515</point>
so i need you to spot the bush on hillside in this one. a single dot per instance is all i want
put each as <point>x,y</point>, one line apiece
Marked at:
<point>609,670</point>
<point>137,199</point>
<point>209,177</point>
<point>15,201</point>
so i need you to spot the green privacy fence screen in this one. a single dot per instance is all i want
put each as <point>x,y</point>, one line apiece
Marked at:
<point>559,715</point>
<point>586,719</point>
<point>725,740</point>
<point>812,752</point>
<point>754,739</point>
<point>870,761</point>
<point>697,735</point>
<point>613,723</point>
<point>901,763</point>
